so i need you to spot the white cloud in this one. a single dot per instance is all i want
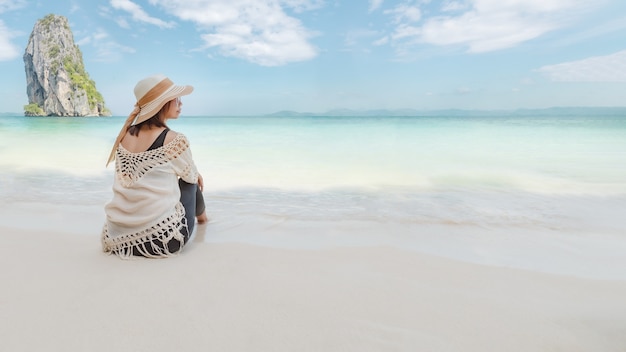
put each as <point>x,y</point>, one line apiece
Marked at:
<point>303,5</point>
<point>406,31</point>
<point>122,23</point>
<point>8,51</point>
<point>405,13</point>
<point>10,5</point>
<point>382,41</point>
<point>375,4</point>
<point>138,14</point>
<point>104,11</point>
<point>484,25</point>
<point>608,68</point>
<point>605,28</point>
<point>452,6</point>
<point>257,31</point>
<point>483,32</point>
<point>107,50</point>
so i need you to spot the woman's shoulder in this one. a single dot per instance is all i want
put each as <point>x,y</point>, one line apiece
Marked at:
<point>175,143</point>
<point>170,136</point>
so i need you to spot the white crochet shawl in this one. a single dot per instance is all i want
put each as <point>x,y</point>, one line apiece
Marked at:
<point>146,199</point>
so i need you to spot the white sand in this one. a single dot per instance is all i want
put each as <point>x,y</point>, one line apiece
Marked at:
<point>61,293</point>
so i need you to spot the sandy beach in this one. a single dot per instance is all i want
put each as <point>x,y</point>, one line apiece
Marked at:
<point>61,293</point>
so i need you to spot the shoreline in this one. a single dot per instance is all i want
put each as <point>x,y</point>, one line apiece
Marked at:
<point>588,253</point>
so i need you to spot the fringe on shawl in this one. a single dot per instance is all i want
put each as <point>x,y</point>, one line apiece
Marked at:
<point>155,238</point>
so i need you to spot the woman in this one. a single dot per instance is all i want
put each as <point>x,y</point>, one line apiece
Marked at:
<point>157,190</point>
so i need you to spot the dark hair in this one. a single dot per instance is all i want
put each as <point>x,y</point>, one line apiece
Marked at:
<point>153,121</point>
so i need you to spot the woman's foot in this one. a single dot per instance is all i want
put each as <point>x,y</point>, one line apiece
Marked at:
<point>202,218</point>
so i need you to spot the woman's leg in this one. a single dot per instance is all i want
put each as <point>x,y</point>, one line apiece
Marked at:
<point>200,207</point>
<point>188,197</point>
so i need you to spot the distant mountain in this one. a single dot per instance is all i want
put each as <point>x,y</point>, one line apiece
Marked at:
<point>573,111</point>
<point>289,113</point>
<point>554,111</point>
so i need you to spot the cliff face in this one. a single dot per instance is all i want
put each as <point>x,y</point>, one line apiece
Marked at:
<point>57,83</point>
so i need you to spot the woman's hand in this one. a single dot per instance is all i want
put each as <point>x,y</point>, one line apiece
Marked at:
<point>200,183</point>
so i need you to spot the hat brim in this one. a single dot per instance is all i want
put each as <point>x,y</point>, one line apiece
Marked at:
<point>153,107</point>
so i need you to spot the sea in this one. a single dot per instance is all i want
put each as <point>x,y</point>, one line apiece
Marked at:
<point>376,180</point>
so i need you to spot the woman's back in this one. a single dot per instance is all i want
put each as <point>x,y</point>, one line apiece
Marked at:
<point>142,141</point>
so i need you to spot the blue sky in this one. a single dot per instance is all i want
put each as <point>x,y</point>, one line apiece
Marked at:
<point>247,57</point>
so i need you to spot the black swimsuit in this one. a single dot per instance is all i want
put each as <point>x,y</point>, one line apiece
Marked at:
<point>158,142</point>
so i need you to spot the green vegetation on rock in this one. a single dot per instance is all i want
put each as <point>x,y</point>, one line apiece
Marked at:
<point>80,79</point>
<point>48,19</point>
<point>54,51</point>
<point>33,110</point>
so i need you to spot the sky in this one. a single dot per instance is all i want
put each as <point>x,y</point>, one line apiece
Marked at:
<point>249,57</point>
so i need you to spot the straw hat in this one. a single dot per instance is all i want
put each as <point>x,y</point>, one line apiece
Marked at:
<point>152,94</point>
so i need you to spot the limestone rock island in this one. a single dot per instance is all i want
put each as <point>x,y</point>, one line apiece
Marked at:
<point>57,83</point>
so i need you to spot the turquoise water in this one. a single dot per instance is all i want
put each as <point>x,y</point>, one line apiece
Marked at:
<point>578,155</point>
<point>482,170</point>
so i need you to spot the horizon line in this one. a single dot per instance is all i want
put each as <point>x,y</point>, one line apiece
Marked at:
<point>354,112</point>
